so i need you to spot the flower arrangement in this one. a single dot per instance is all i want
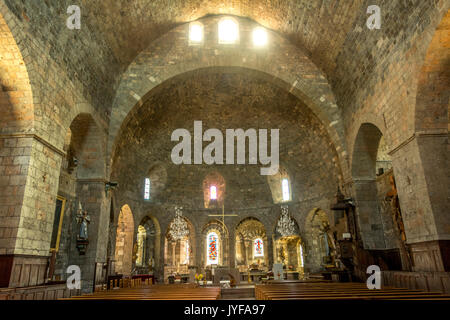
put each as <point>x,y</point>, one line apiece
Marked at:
<point>198,277</point>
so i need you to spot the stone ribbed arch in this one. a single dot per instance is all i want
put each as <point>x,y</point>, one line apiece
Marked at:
<point>281,62</point>
<point>16,97</point>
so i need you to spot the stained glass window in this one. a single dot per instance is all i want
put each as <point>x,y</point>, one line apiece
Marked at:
<point>147,189</point>
<point>212,241</point>
<point>213,193</point>
<point>259,247</point>
<point>285,189</point>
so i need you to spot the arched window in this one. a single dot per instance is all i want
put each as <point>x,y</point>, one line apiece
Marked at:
<point>258,248</point>
<point>147,189</point>
<point>259,37</point>
<point>212,245</point>
<point>285,189</point>
<point>213,193</point>
<point>213,190</point>
<point>195,33</point>
<point>301,255</point>
<point>228,31</point>
<point>187,252</point>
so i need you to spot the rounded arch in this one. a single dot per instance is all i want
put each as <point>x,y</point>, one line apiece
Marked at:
<point>222,232</point>
<point>16,97</point>
<point>124,242</point>
<point>180,252</point>
<point>432,97</point>
<point>309,86</point>
<point>147,245</point>
<point>287,250</point>
<point>369,160</point>
<point>247,231</point>
<point>365,151</point>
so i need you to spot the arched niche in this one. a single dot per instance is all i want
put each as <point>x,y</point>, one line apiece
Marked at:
<point>276,183</point>
<point>179,254</point>
<point>123,256</point>
<point>247,257</point>
<point>374,182</point>
<point>214,182</point>
<point>146,249</point>
<point>320,241</point>
<point>289,251</point>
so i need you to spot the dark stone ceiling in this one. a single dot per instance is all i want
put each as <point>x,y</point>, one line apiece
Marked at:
<point>329,31</point>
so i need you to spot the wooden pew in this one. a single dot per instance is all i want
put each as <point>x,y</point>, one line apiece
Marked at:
<point>334,291</point>
<point>155,292</point>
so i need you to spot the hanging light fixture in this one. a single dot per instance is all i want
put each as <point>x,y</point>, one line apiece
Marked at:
<point>286,225</point>
<point>178,228</point>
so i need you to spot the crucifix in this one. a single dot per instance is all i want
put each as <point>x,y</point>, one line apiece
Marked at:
<point>223,215</point>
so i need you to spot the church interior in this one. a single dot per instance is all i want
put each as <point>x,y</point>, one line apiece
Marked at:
<point>127,163</point>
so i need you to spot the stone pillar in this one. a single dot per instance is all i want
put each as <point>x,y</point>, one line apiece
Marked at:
<point>248,251</point>
<point>91,194</point>
<point>198,249</point>
<point>420,167</point>
<point>29,177</point>
<point>269,252</point>
<point>232,246</point>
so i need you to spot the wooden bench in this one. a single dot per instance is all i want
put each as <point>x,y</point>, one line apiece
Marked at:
<point>155,292</point>
<point>339,291</point>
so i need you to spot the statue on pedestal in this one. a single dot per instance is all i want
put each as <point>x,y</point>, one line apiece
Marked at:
<point>83,220</point>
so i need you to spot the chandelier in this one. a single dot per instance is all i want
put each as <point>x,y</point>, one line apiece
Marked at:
<point>285,226</point>
<point>178,228</point>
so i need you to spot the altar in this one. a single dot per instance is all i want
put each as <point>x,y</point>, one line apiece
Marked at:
<point>220,273</point>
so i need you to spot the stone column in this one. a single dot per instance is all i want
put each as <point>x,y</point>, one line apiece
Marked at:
<point>232,246</point>
<point>420,167</point>
<point>28,189</point>
<point>269,252</point>
<point>91,194</point>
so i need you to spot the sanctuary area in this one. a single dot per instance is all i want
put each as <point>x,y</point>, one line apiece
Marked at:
<point>238,149</point>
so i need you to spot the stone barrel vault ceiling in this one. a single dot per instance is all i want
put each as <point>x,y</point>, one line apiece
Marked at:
<point>331,32</point>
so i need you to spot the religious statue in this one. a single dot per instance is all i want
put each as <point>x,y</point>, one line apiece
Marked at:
<point>328,243</point>
<point>135,251</point>
<point>392,198</point>
<point>83,220</point>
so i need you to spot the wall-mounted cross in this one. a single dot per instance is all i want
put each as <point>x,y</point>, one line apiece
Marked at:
<point>223,215</point>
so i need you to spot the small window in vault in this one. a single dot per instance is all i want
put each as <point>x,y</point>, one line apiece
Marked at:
<point>147,189</point>
<point>213,193</point>
<point>228,31</point>
<point>285,189</point>
<point>195,33</point>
